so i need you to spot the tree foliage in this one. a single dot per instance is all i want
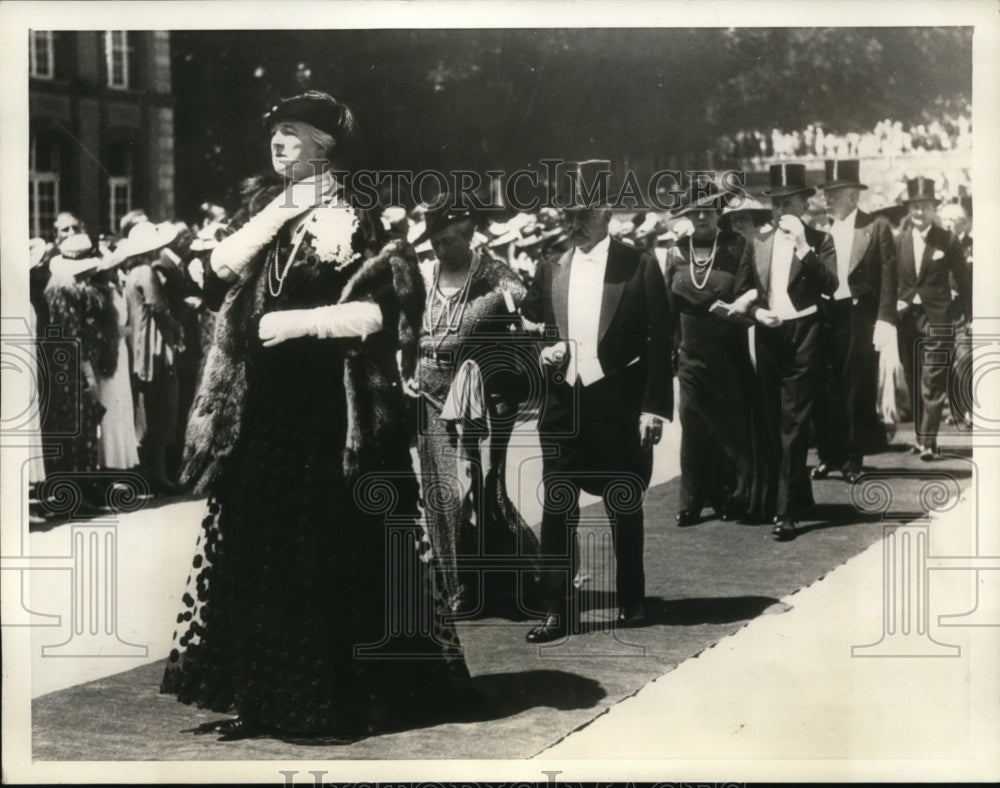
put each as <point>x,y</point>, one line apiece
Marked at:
<point>480,99</point>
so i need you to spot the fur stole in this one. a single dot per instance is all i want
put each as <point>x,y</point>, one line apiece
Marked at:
<point>377,430</point>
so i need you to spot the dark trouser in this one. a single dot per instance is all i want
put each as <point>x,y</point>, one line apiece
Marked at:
<point>591,438</point>
<point>846,415</point>
<point>924,364</point>
<point>788,364</point>
<point>157,414</point>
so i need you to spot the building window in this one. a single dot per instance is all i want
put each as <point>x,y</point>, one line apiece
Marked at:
<point>120,192</point>
<point>116,55</point>
<point>43,186</point>
<point>41,54</point>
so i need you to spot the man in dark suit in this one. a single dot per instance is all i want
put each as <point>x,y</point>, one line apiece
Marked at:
<point>930,259</point>
<point>846,414</point>
<point>606,356</point>
<point>791,267</point>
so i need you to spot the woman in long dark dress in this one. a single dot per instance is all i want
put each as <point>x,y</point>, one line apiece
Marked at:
<point>299,435</point>
<point>471,376</point>
<point>714,368</point>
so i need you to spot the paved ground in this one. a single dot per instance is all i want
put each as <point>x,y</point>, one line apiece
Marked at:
<point>782,687</point>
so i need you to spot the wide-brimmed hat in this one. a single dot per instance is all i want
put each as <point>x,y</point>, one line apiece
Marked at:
<point>920,190</point>
<point>788,179</point>
<point>37,247</point>
<point>651,224</point>
<point>504,238</point>
<point>78,257</point>
<point>746,205</point>
<point>531,239</point>
<point>700,196</point>
<point>146,237</point>
<point>447,210</point>
<point>208,237</point>
<point>841,174</point>
<point>318,109</point>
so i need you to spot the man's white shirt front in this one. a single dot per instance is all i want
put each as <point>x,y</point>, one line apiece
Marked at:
<point>842,231</point>
<point>919,244</point>
<point>586,291</point>
<point>782,254</point>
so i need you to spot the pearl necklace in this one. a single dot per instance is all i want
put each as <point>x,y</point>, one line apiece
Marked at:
<point>452,309</point>
<point>705,265</point>
<point>276,278</point>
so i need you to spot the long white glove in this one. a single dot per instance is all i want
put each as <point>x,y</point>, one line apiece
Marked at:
<point>884,336</point>
<point>231,257</point>
<point>353,319</point>
<point>792,225</point>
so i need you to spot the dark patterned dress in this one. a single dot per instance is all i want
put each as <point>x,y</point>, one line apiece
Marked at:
<point>720,451</point>
<point>86,319</point>
<point>287,611</point>
<point>484,551</point>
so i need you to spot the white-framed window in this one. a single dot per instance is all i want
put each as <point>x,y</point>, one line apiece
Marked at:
<point>41,54</point>
<point>116,58</point>
<point>43,186</point>
<point>119,198</point>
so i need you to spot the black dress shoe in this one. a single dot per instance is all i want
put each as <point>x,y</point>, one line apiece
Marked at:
<point>687,517</point>
<point>821,471</point>
<point>553,628</point>
<point>631,615</point>
<point>784,530</point>
<point>733,509</point>
<point>852,472</point>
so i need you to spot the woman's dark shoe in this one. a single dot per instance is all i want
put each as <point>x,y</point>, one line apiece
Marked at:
<point>733,509</point>
<point>231,729</point>
<point>851,471</point>
<point>687,517</point>
<point>821,471</point>
<point>553,628</point>
<point>784,530</point>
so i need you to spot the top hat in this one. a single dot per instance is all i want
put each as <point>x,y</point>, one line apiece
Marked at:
<point>758,212</point>
<point>841,174</point>
<point>788,179</point>
<point>446,211</point>
<point>590,183</point>
<point>920,190</point>
<point>316,108</point>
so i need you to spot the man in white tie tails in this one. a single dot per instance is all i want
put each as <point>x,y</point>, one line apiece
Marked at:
<point>860,315</point>
<point>791,267</point>
<point>608,388</point>
<point>930,259</point>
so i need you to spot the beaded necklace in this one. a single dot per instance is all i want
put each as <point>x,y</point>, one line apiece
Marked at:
<point>704,266</point>
<point>452,308</point>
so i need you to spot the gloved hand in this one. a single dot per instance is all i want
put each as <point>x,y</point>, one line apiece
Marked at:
<point>794,227</point>
<point>768,318</point>
<point>231,257</point>
<point>884,335</point>
<point>554,355</point>
<point>650,430</point>
<point>354,319</point>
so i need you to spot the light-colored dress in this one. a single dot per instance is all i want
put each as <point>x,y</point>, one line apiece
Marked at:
<point>118,440</point>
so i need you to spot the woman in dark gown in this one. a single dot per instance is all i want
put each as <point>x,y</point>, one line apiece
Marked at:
<point>472,375</point>
<point>299,435</point>
<point>714,370</point>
